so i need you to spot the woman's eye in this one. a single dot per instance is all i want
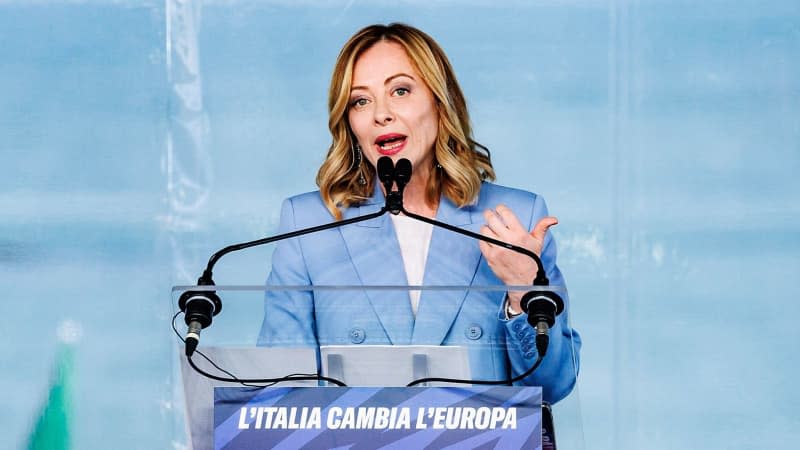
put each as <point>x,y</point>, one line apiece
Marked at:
<point>359,102</point>
<point>401,91</point>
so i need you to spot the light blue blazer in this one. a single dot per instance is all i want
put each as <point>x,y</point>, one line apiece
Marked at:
<point>368,253</point>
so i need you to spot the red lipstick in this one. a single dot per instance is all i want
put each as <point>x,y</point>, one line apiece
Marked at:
<point>390,144</point>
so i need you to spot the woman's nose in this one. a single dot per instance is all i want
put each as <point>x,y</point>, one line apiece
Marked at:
<point>383,114</point>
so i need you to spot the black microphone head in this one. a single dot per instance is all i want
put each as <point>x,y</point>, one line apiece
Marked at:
<point>542,306</point>
<point>386,172</point>
<point>402,173</point>
<point>199,306</point>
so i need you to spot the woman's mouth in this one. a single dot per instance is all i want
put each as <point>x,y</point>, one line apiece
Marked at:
<point>390,144</point>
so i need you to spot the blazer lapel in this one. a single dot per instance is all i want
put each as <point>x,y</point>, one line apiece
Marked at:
<point>376,256</point>
<point>452,260</point>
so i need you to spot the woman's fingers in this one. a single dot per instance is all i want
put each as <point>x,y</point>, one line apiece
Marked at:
<point>495,223</point>
<point>502,224</point>
<point>485,246</point>
<point>541,227</point>
<point>510,219</point>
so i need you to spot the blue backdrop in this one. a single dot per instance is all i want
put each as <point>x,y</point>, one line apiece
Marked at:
<point>137,137</point>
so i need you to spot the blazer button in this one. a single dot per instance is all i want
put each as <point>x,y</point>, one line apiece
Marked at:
<point>529,355</point>
<point>357,335</point>
<point>517,326</point>
<point>474,332</point>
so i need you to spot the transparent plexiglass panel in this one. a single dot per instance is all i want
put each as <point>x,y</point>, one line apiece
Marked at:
<point>265,333</point>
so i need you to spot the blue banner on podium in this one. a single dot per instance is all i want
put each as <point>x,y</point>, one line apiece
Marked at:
<point>376,418</point>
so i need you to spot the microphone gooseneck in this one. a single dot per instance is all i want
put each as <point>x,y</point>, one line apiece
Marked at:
<point>541,306</point>
<point>200,306</point>
<point>401,175</point>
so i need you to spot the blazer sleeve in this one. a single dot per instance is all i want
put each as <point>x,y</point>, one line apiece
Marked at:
<point>559,369</point>
<point>288,315</point>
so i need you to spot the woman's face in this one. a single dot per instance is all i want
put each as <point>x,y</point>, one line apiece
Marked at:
<point>392,111</point>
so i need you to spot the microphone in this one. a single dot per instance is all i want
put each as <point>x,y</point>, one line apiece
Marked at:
<point>198,309</point>
<point>402,173</point>
<point>542,307</point>
<point>387,173</point>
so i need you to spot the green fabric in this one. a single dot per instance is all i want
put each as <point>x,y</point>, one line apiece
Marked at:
<point>52,430</point>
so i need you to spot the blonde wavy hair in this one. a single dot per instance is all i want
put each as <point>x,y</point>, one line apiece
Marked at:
<point>461,162</point>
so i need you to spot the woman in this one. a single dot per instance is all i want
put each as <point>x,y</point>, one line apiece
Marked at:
<point>394,93</point>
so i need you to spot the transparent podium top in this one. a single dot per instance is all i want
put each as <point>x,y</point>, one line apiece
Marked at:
<point>392,335</point>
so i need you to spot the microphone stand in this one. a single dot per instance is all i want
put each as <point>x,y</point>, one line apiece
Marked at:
<point>541,280</point>
<point>199,306</point>
<point>541,306</point>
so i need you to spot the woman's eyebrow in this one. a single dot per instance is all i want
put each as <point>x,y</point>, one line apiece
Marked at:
<point>388,80</point>
<point>401,74</point>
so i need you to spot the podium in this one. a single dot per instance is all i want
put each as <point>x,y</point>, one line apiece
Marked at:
<point>357,352</point>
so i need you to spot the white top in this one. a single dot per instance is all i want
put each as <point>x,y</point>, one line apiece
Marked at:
<point>414,237</point>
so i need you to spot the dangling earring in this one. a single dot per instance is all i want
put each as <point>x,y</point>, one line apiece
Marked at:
<point>355,148</point>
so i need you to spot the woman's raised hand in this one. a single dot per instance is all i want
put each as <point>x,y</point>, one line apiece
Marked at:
<point>511,267</point>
